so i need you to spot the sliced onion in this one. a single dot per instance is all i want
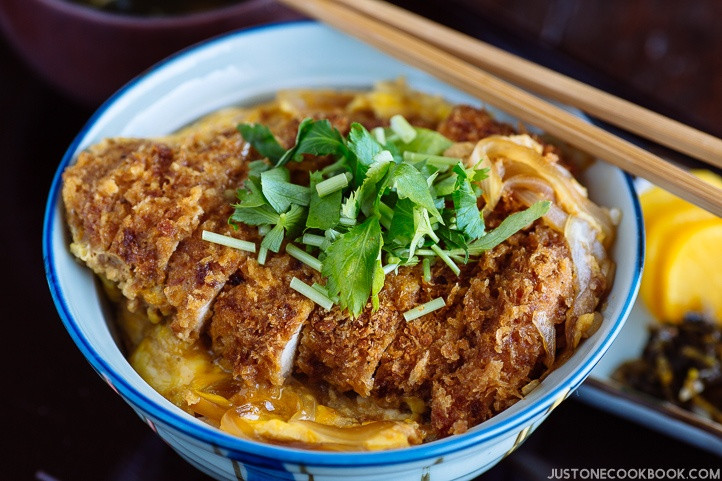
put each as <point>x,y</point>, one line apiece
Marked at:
<point>545,326</point>
<point>570,195</point>
<point>588,257</point>
<point>493,184</point>
<point>531,183</point>
<point>555,216</point>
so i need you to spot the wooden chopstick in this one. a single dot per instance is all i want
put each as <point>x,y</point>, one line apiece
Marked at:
<point>514,100</point>
<point>548,83</point>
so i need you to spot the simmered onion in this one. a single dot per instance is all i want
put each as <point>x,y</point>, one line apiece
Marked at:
<point>570,196</point>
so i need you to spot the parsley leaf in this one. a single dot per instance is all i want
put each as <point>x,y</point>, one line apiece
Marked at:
<point>351,265</point>
<point>261,139</point>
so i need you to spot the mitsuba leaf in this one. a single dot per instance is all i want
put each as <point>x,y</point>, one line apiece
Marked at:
<point>350,265</point>
<point>252,208</point>
<point>323,212</point>
<point>508,227</point>
<point>376,284</point>
<point>411,184</point>
<point>422,227</point>
<point>468,216</point>
<point>272,241</point>
<point>255,215</point>
<point>316,137</point>
<point>364,198</point>
<point>290,224</point>
<point>364,148</point>
<point>426,142</point>
<point>261,139</point>
<point>280,193</point>
<point>401,230</point>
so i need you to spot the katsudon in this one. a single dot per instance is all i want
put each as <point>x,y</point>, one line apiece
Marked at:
<point>343,270</point>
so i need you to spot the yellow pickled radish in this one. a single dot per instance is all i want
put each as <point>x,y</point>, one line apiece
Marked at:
<point>691,272</point>
<point>666,219</point>
<point>657,203</point>
<point>659,235</point>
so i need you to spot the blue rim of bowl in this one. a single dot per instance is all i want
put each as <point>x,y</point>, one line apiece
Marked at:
<point>215,437</point>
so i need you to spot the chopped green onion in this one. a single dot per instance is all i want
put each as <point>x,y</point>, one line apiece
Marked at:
<point>439,161</point>
<point>346,221</point>
<point>425,252</point>
<point>313,294</point>
<point>426,265</point>
<point>304,257</point>
<point>379,134</point>
<point>383,156</point>
<point>393,259</point>
<point>313,240</point>
<point>447,260</point>
<point>402,128</point>
<point>424,309</point>
<point>332,234</point>
<point>329,186</point>
<point>227,241</point>
<point>262,252</point>
<point>389,268</point>
<point>320,288</point>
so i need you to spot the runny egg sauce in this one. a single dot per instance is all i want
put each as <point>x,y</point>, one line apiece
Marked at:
<point>298,414</point>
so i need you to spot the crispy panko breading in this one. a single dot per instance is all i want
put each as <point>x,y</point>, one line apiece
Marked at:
<point>130,203</point>
<point>136,211</point>
<point>256,323</point>
<point>345,351</point>
<point>199,269</point>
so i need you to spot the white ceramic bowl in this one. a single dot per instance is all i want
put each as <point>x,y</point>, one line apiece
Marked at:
<point>246,67</point>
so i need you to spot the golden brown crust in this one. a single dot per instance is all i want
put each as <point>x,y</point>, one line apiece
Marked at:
<point>199,269</point>
<point>255,321</point>
<point>131,202</point>
<point>530,274</point>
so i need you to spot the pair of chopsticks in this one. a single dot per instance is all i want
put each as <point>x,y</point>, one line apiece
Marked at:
<point>466,63</point>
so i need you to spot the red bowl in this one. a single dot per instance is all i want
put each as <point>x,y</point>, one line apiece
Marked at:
<point>88,54</point>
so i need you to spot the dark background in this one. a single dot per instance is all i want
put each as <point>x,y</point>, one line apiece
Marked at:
<point>62,422</point>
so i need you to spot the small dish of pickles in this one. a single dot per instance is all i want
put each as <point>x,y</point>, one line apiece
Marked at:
<point>664,369</point>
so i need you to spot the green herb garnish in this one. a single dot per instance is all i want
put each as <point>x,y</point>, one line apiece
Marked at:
<point>387,200</point>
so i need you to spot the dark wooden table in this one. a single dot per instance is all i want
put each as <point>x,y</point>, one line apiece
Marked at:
<point>61,422</point>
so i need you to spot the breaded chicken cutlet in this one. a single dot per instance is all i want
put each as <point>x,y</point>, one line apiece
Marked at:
<point>136,210</point>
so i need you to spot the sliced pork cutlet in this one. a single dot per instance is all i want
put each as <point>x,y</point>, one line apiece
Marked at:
<point>257,319</point>
<point>426,346</point>
<point>127,223</point>
<point>524,288</point>
<point>199,269</point>
<point>93,194</point>
<point>344,351</point>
